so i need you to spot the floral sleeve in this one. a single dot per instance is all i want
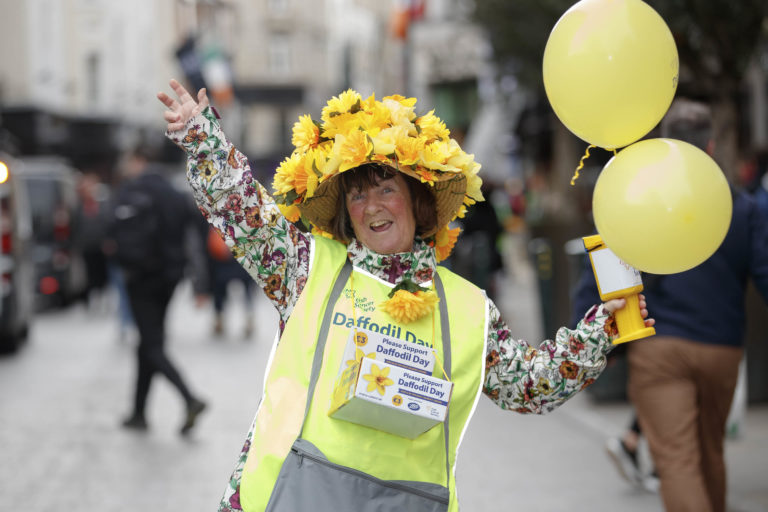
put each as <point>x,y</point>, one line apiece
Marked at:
<point>537,380</point>
<point>273,251</point>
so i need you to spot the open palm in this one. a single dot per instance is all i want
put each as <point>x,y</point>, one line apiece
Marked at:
<point>179,112</point>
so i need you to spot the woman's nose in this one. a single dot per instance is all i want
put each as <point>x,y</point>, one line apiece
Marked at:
<point>372,205</point>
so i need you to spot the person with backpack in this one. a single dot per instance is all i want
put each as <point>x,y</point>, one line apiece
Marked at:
<point>148,230</point>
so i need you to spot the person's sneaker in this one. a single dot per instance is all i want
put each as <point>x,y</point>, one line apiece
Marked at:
<point>248,329</point>
<point>651,483</point>
<point>194,408</point>
<point>135,422</point>
<point>624,460</point>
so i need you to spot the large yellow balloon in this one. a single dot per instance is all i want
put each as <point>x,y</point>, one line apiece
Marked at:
<point>610,70</point>
<point>662,205</point>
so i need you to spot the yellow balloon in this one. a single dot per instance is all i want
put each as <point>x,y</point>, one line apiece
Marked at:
<point>610,70</point>
<point>662,205</point>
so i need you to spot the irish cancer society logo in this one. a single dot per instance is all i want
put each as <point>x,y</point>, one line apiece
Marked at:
<point>414,406</point>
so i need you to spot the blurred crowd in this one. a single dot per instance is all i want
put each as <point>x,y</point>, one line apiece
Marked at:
<point>205,258</point>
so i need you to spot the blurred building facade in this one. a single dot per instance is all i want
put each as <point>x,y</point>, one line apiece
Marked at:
<point>77,73</point>
<point>79,77</point>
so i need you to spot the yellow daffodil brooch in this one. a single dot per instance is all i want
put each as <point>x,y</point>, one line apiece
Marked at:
<point>408,302</point>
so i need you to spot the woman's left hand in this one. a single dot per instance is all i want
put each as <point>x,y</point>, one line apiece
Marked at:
<point>179,112</point>
<point>614,305</point>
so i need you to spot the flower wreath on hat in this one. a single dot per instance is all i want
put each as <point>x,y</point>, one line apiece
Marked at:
<point>354,131</point>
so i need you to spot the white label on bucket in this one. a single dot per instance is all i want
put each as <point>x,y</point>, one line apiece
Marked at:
<point>612,273</point>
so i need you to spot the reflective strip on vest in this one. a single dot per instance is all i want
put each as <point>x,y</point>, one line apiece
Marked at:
<point>281,411</point>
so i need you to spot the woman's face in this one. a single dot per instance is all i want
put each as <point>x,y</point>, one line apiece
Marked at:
<point>382,215</point>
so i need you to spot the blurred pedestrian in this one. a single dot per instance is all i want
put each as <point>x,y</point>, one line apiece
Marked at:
<point>761,187</point>
<point>149,228</point>
<point>477,257</point>
<point>223,271</point>
<point>126,327</point>
<point>682,381</point>
<point>93,217</point>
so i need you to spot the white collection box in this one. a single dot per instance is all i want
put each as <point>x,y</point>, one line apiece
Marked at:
<point>386,389</point>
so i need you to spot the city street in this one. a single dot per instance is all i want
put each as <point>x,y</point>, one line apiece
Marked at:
<point>645,121</point>
<point>62,398</point>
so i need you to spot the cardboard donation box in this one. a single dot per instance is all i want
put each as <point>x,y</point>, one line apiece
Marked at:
<point>387,384</point>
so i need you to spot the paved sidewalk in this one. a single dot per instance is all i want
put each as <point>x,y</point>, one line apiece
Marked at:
<point>62,397</point>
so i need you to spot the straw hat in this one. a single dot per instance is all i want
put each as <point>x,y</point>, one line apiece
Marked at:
<point>353,132</point>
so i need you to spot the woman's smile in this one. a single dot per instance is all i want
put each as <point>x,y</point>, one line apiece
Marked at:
<point>380,226</point>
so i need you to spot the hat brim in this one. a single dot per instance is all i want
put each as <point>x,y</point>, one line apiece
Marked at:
<point>448,190</point>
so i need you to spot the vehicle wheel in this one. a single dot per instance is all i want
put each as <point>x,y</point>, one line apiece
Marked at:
<point>9,343</point>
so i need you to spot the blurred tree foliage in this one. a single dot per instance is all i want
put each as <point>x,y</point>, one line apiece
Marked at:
<point>518,31</point>
<point>716,39</point>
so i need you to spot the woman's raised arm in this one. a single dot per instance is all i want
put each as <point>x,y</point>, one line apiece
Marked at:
<point>273,250</point>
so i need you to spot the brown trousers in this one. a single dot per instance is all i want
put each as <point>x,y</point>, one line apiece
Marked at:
<point>682,392</point>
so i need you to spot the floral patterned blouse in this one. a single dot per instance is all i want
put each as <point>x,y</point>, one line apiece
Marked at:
<point>518,376</point>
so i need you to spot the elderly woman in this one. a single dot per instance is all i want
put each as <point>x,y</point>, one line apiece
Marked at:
<point>379,185</point>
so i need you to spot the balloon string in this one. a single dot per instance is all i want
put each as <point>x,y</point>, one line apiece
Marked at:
<point>581,164</point>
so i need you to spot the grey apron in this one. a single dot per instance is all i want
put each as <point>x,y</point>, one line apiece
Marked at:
<point>309,482</point>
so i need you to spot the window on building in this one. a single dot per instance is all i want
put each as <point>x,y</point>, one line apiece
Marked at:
<point>277,6</point>
<point>92,89</point>
<point>280,54</point>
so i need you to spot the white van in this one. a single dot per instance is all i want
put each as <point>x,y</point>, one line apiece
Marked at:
<point>17,273</point>
<point>51,187</point>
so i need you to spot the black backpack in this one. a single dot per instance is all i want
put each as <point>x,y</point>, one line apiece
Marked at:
<point>136,231</point>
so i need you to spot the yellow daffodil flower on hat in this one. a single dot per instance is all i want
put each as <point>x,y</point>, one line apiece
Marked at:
<point>306,134</point>
<point>285,176</point>
<point>291,212</point>
<point>354,149</point>
<point>431,127</point>
<point>445,239</point>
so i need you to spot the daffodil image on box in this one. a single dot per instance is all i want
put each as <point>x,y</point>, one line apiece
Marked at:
<point>359,355</point>
<point>378,379</point>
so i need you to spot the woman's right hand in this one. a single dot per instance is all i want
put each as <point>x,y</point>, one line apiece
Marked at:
<point>181,111</point>
<point>614,305</point>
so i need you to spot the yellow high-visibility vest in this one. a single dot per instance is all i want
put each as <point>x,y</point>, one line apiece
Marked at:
<point>386,456</point>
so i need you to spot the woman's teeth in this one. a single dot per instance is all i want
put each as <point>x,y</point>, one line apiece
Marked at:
<point>380,226</point>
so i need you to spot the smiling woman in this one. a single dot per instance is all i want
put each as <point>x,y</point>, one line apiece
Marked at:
<point>380,185</point>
